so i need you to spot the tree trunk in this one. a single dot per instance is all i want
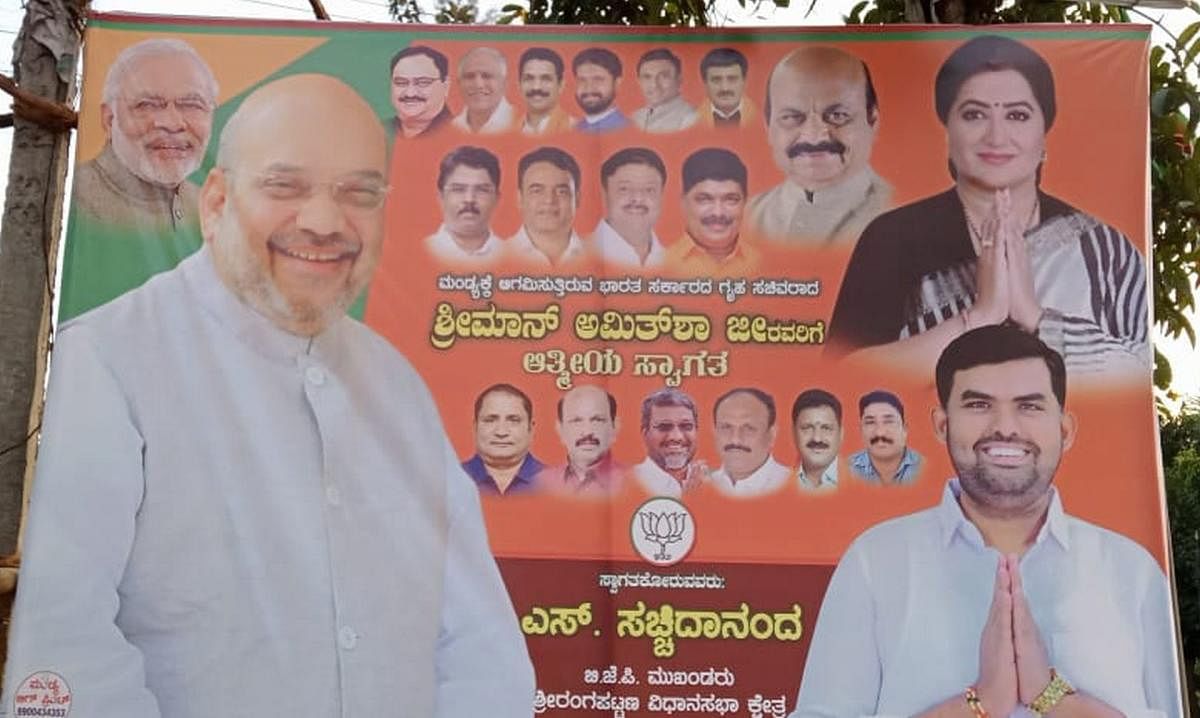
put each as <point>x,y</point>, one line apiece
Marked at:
<point>44,62</point>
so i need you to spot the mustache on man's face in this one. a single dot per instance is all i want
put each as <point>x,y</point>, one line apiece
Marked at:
<point>796,149</point>
<point>536,93</point>
<point>736,447</point>
<point>882,440</point>
<point>469,208</point>
<point>816,445</point>
<point>588,439</point>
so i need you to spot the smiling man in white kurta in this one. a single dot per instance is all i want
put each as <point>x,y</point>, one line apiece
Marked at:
<point>245,503</point>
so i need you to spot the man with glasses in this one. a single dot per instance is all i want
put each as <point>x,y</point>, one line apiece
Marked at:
<point>241,487</point>
<point>669,425</point>
<point>133,208</point>
<point>157,112</point>
<point>420,83</point>
<point>468,185</point>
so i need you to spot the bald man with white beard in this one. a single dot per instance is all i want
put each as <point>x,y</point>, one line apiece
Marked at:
<point>246,504</point>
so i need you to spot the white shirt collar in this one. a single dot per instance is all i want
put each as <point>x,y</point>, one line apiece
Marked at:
<point>615,250</point>
<point>525,248</point>
<point>500,120</point>
<point>953,522</point>
<point>765,479</point>
<point>726,115</point>
<point>442,245</point>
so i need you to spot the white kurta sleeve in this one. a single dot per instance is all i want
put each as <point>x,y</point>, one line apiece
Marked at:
<point>80,530</point>
<point>1161,672</point>
<point>842,672</point>
<point>483,666</point>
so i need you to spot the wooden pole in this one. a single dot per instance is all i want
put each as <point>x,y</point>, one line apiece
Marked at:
<point>45,60</point>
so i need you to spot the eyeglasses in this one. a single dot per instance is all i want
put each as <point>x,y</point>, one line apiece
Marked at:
<point>354,192</point>
<point>421,83</point>
<point>666,427</point>
<point>188,105</point>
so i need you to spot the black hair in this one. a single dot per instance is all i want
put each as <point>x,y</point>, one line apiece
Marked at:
<point>723,57</point>
<point>473,157</point>
<point>439,60</point>
<point>505,389</point>
<point>554,156</point>
<point>598,56</point>
<point>994,344</point>
<point>713,163</point>
<point>813,398</point>
<point>632,156</point>
<point>661,53</point>
<point>993,53</point>
<point>541,53</point>
<point>879,396</point>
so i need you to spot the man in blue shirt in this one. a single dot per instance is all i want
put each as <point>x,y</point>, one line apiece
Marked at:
<point>886,459</point>
<point>502,464</point>
<point>597,78</point>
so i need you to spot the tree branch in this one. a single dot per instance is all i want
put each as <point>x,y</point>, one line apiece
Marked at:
<point>38,110</point>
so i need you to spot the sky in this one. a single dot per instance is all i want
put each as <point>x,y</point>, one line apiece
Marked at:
<point>1185,359</point>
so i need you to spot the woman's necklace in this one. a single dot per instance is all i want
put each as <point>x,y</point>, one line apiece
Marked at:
<point>977,236</point>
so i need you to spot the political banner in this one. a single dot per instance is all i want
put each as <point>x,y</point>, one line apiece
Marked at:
<point>764,348</point>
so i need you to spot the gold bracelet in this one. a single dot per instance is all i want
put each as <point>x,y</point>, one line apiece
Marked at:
<point>974,704</point>
<point>1055,691</point>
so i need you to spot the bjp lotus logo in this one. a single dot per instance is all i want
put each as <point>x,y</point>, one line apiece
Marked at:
<point>663,531</point>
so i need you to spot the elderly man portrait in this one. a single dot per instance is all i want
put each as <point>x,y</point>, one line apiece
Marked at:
<point>420,83</point>
<point>660,75</point>
<point>817,429</point>
<point>482,77</point>
<point>133,207</point>
<point>669,425</point>
<point>548,191</point>
<point>157,112</point>
<point>587,426</point>
<point>885,458</point>
<point>723,71</point>
<point>245,502</point>
<point>745,430</point>
<point>714,200</point>
<point>995,602</point>
<point>631,185</point>
<point>822,116</point>
<point>468,184</point>
<point>502,464</point>
<point>597,79</point>
<point>540,78</point>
